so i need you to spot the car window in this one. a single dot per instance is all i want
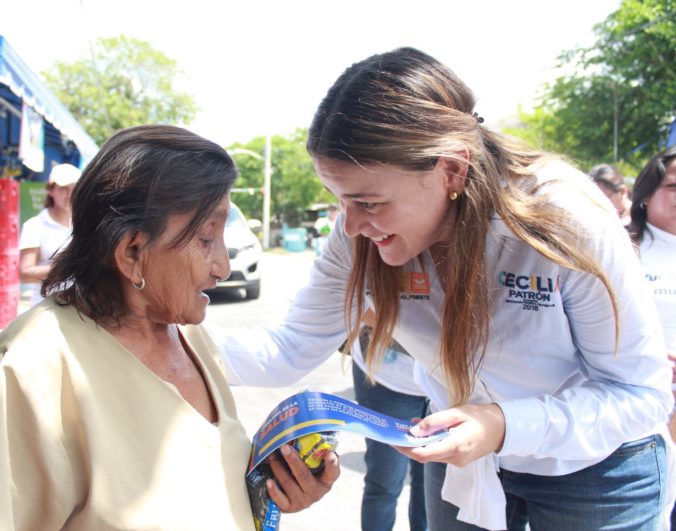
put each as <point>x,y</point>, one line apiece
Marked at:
<point>235,218</point>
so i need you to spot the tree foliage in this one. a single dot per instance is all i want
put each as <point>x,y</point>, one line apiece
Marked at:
<point>122,82</point>
<point>621,97</point>
<point>294,184</point>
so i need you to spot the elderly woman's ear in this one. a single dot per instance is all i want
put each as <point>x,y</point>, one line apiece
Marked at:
<point>128,257</point>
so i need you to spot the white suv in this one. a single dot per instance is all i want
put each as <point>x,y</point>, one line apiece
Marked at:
<point>245,254</point>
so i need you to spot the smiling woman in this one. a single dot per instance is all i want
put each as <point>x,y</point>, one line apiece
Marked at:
<point>116,413</point>
<point>507,276</point>
<point>653,226</point>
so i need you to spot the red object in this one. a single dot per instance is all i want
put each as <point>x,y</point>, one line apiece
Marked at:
<point>9,250</point>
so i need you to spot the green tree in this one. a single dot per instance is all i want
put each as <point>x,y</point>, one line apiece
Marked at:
<point>122,82</point>
<point>621,97</point>
<point>250,177</point>
<point>294,184</point>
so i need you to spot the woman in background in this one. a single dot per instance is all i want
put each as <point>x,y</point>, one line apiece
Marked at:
<point>609,179</point>
<point>47,233</point>
<point>392,391</point>
<point>653,228</point>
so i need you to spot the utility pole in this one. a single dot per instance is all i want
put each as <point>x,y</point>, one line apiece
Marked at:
<point>267,160</point>
<point>616,124</point>
<point>266,191</point>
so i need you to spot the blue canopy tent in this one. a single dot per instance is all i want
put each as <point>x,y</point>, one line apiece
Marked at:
<point>64,138</point>
<point>671,137</point>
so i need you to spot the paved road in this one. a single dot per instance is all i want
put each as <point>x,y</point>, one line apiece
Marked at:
<point>283,274</point>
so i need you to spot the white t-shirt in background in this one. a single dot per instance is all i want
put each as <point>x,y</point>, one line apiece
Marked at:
<point>45,234</point>
<point>658,259</point>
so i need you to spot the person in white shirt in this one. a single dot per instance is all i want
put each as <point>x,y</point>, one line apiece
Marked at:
<point>610,181</point>
<point>324,226</point>
<point>47,233</point>
<point>653,228</point>
<point>391,391</point>
<point>508,277</point>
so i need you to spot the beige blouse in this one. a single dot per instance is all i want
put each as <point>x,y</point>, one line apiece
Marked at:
<point>90,439</point>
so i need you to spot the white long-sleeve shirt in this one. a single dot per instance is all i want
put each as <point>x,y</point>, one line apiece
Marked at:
<point>396,370</point>
<point>568,398</point>
<point>658,258</point>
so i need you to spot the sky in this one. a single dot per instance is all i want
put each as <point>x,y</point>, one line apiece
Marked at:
<point>259,67</point>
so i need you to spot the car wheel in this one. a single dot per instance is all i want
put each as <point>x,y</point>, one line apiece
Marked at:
<point>253,293</point>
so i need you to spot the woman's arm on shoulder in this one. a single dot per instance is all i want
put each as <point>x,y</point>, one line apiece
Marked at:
<point>311,331</point>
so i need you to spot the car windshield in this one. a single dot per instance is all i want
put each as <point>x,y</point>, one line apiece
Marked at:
<point>235,218</point>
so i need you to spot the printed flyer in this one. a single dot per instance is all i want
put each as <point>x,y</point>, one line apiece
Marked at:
<point>312,412</point>
<point>309,421</point>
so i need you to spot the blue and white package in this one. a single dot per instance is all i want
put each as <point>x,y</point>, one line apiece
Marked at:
<point>312,412</point>
<point>308,413</point>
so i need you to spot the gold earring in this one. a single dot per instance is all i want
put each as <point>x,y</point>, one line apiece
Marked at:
<point>453,196</point>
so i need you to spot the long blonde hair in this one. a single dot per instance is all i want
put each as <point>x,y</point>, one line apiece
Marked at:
<point>405,108</point>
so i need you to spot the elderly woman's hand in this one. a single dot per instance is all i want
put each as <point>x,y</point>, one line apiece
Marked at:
<point>295,487</point>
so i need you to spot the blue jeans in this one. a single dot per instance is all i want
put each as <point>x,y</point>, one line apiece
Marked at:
<point>385,467</point>
<point>623,492</point>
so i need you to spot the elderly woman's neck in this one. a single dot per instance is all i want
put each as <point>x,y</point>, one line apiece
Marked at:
<point>138,333</point>
<point>161,348</point>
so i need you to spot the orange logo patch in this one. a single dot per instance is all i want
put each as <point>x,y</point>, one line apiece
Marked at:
<point>416,283</point>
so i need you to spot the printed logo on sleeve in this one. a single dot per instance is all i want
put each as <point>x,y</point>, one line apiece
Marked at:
<point>532,292</point>
<point>664,286</point>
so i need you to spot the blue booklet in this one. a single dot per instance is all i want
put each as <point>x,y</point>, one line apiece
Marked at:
<point>312,412</point>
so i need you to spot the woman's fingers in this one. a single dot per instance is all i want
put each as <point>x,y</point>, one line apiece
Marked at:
<point>474,431</point>
<point>442,420</point>
<point>289,474</point>
<point>432,452</point>
<point>331,471</point>
<point>296,488</point>
<point>277,495</point>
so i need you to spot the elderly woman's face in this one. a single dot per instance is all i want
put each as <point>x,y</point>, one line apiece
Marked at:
<point>176,277</point>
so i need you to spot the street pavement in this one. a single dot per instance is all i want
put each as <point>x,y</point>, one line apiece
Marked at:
<point>283,275</point>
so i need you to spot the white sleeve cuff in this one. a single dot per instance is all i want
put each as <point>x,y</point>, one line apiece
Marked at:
<point>525,426</point>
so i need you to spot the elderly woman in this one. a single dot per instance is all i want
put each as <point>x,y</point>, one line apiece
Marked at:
<point>115,412</point>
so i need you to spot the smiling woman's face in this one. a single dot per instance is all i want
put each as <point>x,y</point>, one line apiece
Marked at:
<point>176,277</point>
<point>661,205</point>
<point>402,212</point>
